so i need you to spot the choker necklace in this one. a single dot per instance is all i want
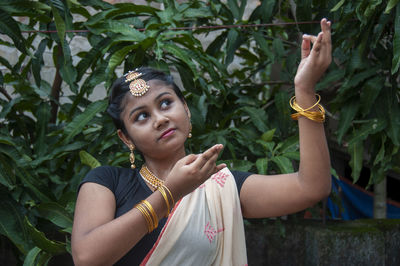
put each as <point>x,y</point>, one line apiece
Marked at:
<point>150,178</point>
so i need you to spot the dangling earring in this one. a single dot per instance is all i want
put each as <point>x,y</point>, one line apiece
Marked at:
<point>132,156</point>
<point>190,131</point>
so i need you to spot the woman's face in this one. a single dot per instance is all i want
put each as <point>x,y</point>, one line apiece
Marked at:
<point>157,122</point>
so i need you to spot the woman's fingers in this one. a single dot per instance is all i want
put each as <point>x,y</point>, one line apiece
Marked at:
<point>305,48</point>
<point>210,154</point>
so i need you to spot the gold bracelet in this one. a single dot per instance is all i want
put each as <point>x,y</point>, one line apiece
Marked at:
<point>162,191</point>
<point>146,216</point>
<point>152,212</point>
<point>317,116</point>
<point>170,194</point>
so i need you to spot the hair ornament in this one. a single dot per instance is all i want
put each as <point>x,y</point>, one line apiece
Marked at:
<point>137,86</point>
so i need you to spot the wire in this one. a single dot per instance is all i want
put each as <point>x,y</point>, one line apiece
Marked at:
<point>196,27</point>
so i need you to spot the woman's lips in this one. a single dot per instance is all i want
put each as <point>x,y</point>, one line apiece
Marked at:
<point>167,133</point>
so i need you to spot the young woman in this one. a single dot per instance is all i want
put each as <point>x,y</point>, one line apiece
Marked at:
<point>183,209</point>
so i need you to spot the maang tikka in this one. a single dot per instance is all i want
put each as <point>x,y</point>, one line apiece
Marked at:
<point>137,86</point>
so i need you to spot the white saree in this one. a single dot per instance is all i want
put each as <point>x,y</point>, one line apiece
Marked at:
<point>204,228</point>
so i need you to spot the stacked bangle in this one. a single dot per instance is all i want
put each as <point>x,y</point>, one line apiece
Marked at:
<point>317,116</point>
<point>149,214</point>
<point>162,190</point>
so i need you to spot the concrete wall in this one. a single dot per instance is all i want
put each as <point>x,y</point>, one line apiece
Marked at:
<point>307,242</point>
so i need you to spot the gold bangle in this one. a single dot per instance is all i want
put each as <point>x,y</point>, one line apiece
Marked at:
<point>152,212</point>
<point>170,194</point>
<point>318,116</point>
<point>162,191</point>
<point>146,216</point>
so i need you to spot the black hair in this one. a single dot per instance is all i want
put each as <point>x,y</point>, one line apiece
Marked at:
<point>120,88</point>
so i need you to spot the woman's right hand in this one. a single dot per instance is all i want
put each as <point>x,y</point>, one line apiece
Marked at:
<point>193,170</point>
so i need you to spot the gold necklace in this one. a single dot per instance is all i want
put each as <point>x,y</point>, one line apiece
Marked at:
<point>150,178</point>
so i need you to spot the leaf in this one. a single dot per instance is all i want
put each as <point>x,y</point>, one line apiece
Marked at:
<point>10,27</point>
<point>356,150</point>
<point>277,45</point>
<point>232,45</point>
<point>369,93</point>
<point>183,55</point>
<point>262,42</point>
<point>117,57</point>
<point>12,223</point>
<point>239,165</point>
<point>80,121</point>
<point>108,27</point>
<point>381,153</point>
<point>55,213</point>
<point>396,42</point>
<point>234,8</point>
<point>37,62</point>
<point>374,126</point>
<point>60,24</point>
<point>32,257</point>
<point>267,136</point>
<point>347,114</point>
<point>284,164</point>
<point>390,5</point>
<point>257,116</point>
<point>34,185</point>
<point>262,166</point>
<point>43,117</point>
<point>42,242</point>
<point>88,159</point>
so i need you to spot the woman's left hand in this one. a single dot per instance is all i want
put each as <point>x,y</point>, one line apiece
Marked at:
<point>314,61</point>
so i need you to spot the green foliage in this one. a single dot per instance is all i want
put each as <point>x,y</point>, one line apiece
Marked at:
<point>367,53</point>
<point>238,87</point>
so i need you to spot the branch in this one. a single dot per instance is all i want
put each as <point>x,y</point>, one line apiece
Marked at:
<point>55,89</point>
<point>5,93</point>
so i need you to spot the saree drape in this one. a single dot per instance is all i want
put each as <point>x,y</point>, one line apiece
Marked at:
<point>204,228</point>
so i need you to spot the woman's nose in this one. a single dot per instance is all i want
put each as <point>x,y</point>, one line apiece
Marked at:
<point>160,120</point>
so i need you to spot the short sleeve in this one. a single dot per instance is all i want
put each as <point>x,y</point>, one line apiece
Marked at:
<point>103,175</point>
<point>240,177</point>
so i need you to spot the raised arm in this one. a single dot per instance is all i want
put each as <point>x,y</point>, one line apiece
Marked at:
<point>276,195</point>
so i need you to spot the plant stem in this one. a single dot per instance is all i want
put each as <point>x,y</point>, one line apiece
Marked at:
<point>56,88</point>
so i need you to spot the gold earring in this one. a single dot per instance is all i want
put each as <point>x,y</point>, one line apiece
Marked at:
<point>132,156</point>
<point>190,131</point>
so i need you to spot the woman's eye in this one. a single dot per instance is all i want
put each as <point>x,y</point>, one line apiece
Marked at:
<point>141,116</point>
<point>164,103</point>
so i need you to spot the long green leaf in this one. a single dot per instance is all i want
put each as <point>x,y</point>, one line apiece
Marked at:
<point>257,116</point>
<point>118,57</point>
<point>232,45</point>
<point>12,223</point>
<point>37,62</point>
<point>369,93</point>
<point>347,115</point>
<point>32,257</point>
<point>80,121</point>
<point>390,5</point>
<point>396,42</point>
<point>9,27</point>
<point>34,185</point>
<point>42,242</point>
<point>375,125</point>
<point>88,159</point>
<point>356,150</point>
<point>56,213</point>
<point>60,24</point>
<point>284,164</point>
<point>262,166</point>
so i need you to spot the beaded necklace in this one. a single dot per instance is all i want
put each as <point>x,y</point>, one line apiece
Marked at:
<point>150,178</point>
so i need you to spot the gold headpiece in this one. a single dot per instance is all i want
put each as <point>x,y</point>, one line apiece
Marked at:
<point>138,87</point>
